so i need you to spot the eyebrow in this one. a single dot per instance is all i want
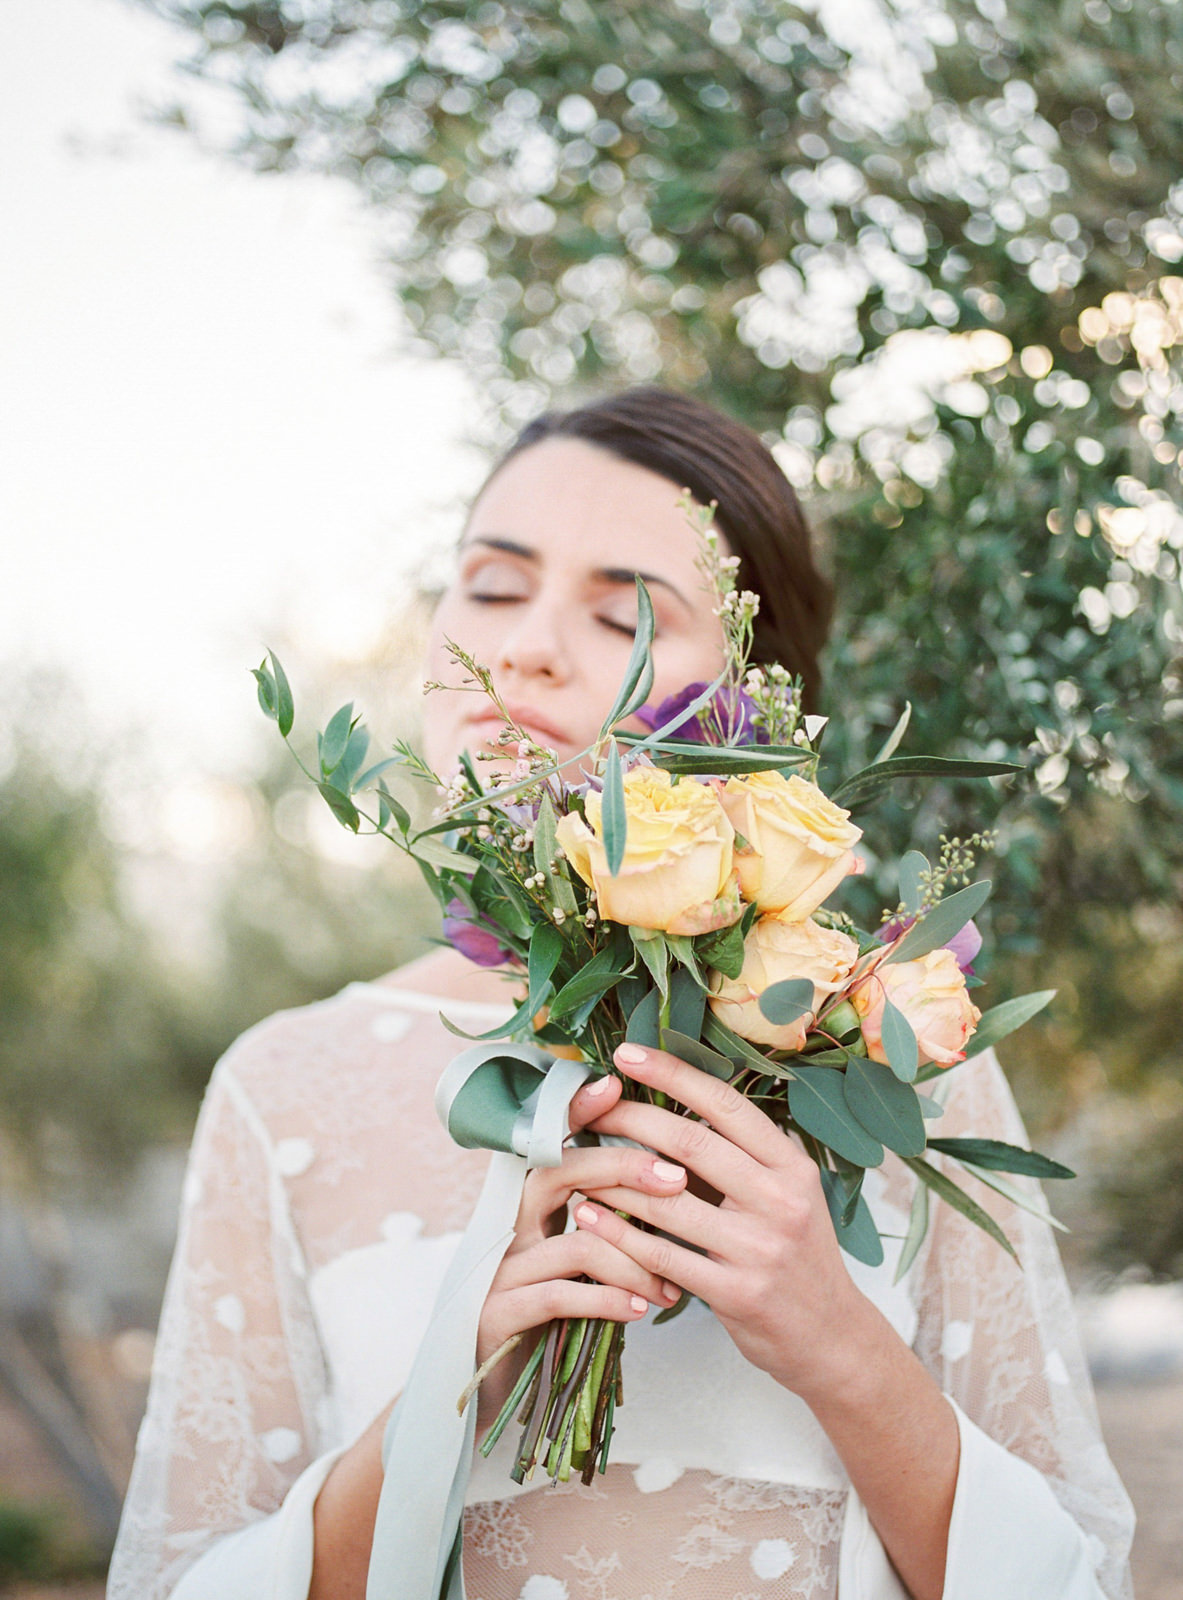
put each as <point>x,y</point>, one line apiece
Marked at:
<point>615,575</point>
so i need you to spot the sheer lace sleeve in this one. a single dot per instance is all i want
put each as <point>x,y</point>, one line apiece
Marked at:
<point>232,1414</point>
<point>1002,1342</point>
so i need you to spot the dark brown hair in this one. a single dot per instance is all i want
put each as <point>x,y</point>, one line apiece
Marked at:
<point>717,458</point>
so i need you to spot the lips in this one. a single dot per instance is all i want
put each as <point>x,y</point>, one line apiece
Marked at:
<point>531,721</point>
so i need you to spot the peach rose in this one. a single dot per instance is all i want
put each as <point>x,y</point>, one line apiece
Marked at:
<point>796,848</point>
<point>777,948</point>
<point>932,995</point>
<point>677,874</point>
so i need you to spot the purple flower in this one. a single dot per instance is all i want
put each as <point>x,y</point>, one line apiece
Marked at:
<point>473,936</point>
<point>694,729</point>
<point>964,945</point>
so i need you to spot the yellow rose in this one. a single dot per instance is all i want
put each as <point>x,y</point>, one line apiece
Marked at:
<point>797,848</point>
<point>677,874</point>
<point>777,948</point>
<point>931,993</point>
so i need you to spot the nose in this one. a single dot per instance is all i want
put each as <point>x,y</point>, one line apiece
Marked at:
<point>533,646</point>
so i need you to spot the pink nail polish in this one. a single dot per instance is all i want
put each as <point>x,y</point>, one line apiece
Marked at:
<point>638,1304</point>
<point>671,1292</point>
<point>631,1054</point>
<point>667,1172</point>
<point>586,1213</point>
<point>597,1086</point>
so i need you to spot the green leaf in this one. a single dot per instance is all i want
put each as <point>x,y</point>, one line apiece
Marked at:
<point>862,785</point>
<point>818,1104</point>
<point>723,950</point>
<point>786,1001</point>
<point>917,1228</point>
<point>936,927</point>
<point>441,857</point>
<point>376,771</point>
<point>353,760</point>
<point>546,946</point>
<point>859,1237</point>
<point>1002,1019</point>
<point>740,1051</point>
<point>285,710</point>
<point>681,947</point>
<point>584,986</point>
<point>267,691</point>
<point>914,868</point>
<point>652,950</point>
<point>333,741</point>
<point>727,759</point>
<point>948,1191</point>
<point>389,807</point>
<point>930,1109</point>
<point>638,672</point>
<point>613,817</point>
<point>1011,1191</point>
<point>644,1021</point>
<point>544,837</point>
<point>341,806</point>
<point>892,743</point>
<point>903,1053</point>
<point>885,1107</point>
<point>1001,1157</point>
<point>687,1003</point>
<point>697,1054</point>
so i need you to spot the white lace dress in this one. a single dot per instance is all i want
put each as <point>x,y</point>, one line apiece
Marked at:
<point>322,1205</point>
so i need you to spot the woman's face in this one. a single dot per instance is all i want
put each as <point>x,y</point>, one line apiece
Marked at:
<point>545,598</point>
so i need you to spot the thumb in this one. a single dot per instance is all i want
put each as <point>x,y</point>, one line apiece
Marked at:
<point>593,1099</point>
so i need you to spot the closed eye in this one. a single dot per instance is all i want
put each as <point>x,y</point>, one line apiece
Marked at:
<point>618,627</point>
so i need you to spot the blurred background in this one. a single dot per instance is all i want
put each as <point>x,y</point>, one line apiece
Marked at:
<point>278,277</point>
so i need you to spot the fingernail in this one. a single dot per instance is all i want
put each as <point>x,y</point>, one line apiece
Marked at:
<point>667,1172</point>
<point>671,1292</point>
<point>631,1054</point>
<point>597,1086</point>
<point>586,1213</point>
<point>638,1304</point>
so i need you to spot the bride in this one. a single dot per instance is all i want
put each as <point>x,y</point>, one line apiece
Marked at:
<point>806,1428</point>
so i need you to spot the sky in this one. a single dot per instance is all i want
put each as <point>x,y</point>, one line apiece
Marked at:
<point>209,437</point>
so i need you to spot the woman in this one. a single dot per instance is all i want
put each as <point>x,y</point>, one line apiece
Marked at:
<point>818,1431</point>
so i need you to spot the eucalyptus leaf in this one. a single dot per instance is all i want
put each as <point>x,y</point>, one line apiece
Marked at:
<point>859,1237</point>
<point>884,1106</point>
<point>375,772</point>
<point>1002,1019</point>
<point>818,1104</point>
<point>787,1001</point>
<point>865,783</point>
<point>341,806</point>
<point>1002,1157</point>
<point>351,763</point>
<point>948,1191</point>
<point>638,672</point>
<point>723,950</point>
<point>266,689</point>
<point>1011,1191</point>
<point>389,807</point>
<point>917,1228</point>
<point>740,1051</point>
<point>441,857</point>
<point>613,816</point>
<point>335,738</point>
<point>944,922</point>
<point>697,1054</point>
<point>687,1003</point>
<point>584,986</point>
<point>644,1023</point>
<point>899,1041</point>
<point>546,947</point>
<point>892,743</point>
<point>651,948</point>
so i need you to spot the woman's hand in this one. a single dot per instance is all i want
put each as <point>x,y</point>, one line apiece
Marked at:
<point>767,1262</point>
<point>770,1266</point>
<point>535,1281</point>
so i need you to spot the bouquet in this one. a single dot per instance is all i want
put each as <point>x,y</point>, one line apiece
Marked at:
<point>669,888</point>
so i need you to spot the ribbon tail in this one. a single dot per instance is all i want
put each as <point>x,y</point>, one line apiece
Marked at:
<point>428,1447</point>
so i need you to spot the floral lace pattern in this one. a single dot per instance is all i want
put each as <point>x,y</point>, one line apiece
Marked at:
<point>318,1129</point>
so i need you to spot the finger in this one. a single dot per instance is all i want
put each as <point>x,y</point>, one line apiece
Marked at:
<point>548,1189</point>
<point>687,1142</point>
<point>666,1259</point>
<point>695,1221</point>
<point>593,1098</point>
<point>568,1255</point>
<point>728,1111</point>
<point>529,1307</point>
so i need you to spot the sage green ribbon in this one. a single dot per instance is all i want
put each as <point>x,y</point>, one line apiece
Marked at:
<point>512,1099</point>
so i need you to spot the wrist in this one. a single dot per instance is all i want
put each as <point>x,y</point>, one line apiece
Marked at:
<point>854,1365</point>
